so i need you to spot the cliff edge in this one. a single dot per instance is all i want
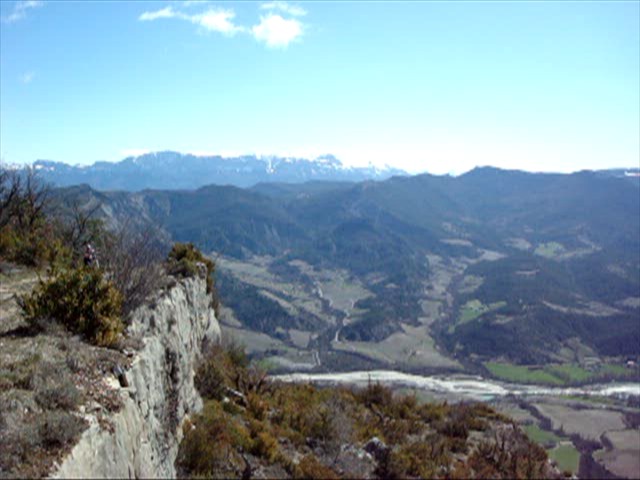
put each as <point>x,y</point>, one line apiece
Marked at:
<point>157,391</point>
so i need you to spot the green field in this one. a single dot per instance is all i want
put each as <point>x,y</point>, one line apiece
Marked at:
<point>473,309</point>
<point>557,374</point>
<point>567,456</point>
<point>570,372</point>
<point>536,434</point>
<point>617,370</point>
<point>522,373</point>
<point>598,400</point>
<point>563,452</point>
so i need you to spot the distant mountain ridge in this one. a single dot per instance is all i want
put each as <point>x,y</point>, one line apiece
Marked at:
<point>175,171</point>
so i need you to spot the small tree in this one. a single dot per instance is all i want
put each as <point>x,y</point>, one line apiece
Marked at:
<point>132,260</point>
<point>26,235</point>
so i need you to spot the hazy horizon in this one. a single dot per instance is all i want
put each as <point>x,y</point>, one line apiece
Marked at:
<point>421,86</point>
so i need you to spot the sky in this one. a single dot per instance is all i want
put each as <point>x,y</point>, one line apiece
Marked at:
<point>423,86</point>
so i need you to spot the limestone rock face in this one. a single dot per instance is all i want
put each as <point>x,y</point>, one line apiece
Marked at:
<point>141,439</point>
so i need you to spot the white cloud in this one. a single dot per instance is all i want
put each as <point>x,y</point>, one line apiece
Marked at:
<point>285,7</point>
<point>27,77</point>
<point>276,31</point>
<point>273,30</point>
<point>166,12</point>
<point>20,10</point>
<point>216,20</point>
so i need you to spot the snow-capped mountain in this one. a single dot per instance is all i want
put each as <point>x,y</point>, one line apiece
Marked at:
<point>173,170</point>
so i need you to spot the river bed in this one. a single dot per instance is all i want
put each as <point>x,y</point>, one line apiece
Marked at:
<point>464,386</point>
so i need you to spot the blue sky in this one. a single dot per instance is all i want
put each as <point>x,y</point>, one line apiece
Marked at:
<point>424,86</point>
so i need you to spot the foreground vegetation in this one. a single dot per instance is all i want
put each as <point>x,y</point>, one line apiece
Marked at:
<point>63,318</point>
<point>251,426</point>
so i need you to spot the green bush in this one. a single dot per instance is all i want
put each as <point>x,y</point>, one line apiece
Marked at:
<point>33,248</point>
<point>310,467</point>
<point>210,379</point>
<point>264,444</point>
<point>80,299</point>
<point>211,444</point>
<point>183,260</point>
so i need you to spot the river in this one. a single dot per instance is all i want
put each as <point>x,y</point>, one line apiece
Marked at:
<point>464,386</point>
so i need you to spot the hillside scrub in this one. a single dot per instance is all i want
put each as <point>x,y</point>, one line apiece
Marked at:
<point>250,425</point>
<point>82,300</point>
<point>183,261</point>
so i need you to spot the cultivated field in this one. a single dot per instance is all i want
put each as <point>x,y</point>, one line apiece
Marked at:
<point>589,423</point>
<point>413,347</point>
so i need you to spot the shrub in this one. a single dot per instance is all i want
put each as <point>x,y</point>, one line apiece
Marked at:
<point>210,445</point>
<point>82,300</point>
<point>421,459</point>
<point>32,248</point>
<point>376,394</point>
<point>18,444</point>
<point>221,369</point>
<point>58,428</point>
<point>310,467</point>
<point>433,412</point>
<point>256,406</point>
<point>54,389</point>
<point>19,374</point>
<point>210,379</point>
<point>133,260</point>
<point>236,353</point>
<point>264,444</point>
<point>26,231</point>
<point>183,261</point>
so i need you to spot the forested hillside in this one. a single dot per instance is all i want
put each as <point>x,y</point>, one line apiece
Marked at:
<point>494,264</point>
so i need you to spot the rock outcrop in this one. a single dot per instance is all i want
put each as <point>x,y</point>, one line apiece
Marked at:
<point>141,439</point>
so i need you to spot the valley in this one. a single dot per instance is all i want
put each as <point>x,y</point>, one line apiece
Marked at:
<point>504,274</point>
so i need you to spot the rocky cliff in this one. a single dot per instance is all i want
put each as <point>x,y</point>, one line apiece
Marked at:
<point>141,439</point>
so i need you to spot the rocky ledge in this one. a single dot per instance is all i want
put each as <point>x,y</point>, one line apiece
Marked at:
<point>156,389</point>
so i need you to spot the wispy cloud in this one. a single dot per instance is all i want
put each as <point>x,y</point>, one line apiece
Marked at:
<point>213,19</point>
<point>217,20</point>
<point>166,12</point>
<point>273,30</point>
<point>27,77</point>
<point>277,32</point>
<point>285,7</point>
<point>20,10</point>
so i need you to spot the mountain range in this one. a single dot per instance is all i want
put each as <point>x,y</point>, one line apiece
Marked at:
<point>421,272</point>
<point>173,170</point>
